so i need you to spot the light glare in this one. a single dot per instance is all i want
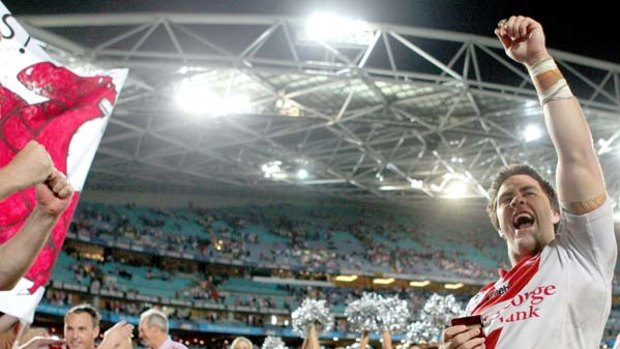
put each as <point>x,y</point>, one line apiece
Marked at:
<point>302,174</point>
<point>456,189</point>
<point>531,133</point>
<point>333,28</point>
<point>195,97</point>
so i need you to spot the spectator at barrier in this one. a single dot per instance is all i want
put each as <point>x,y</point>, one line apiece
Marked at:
<point>241,343</point>
<point>81,329</point>
<point>153,331</point>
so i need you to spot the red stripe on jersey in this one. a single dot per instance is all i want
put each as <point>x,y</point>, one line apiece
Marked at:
<point>492,339</point>
<point>515,279</point>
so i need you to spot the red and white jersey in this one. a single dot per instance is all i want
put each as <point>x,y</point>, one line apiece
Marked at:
<point>559,298</point>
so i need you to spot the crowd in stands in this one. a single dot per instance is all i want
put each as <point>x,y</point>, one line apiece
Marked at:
<point>254,238</point>
<point>316,241</point>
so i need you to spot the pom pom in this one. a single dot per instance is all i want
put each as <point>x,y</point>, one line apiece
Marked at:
<point>420,331</point>
<point>362,313</point>
<point>393,314</point>
<point>440,309</point>
<point>272,342</point>
<point>312,312</point>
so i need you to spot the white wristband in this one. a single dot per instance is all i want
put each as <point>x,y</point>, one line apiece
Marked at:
<point>541,67</point>
<point>559,90</point>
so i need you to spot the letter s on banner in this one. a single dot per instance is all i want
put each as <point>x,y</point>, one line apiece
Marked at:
<point>5,27</point>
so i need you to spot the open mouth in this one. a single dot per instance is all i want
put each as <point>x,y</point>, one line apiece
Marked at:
<point>522,220</point>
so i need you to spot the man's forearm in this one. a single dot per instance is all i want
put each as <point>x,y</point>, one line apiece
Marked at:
<point>568,128</point>
<point>579,176</point>
<point>387,340</point>
<point>17,254</point>
<point>7,184</point>
<point>364,340</point>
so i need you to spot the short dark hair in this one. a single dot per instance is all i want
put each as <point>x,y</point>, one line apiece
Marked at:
<point>513,170</point>
<point>88,309</point>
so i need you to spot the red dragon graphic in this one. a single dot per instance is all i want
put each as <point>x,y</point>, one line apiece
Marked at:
<point>73,100</point>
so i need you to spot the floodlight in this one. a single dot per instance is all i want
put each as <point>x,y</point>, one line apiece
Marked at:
<point>346,278</point>
<point>302,174</point>
<point>531,133</point>
<point>456,188</point>
<point>419,283</point>
<point>332,28</point>
<point>194,95</point>
<point>453,286</point>
<point>382,281</point>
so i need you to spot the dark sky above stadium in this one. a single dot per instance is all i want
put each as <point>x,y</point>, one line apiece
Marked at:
<point>589,29</point>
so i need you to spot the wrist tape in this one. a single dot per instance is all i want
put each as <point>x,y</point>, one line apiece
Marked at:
<point>559,90</point>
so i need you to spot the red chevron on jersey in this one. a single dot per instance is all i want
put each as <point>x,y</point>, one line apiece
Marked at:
<point>492,338</point>
<point>510,284</point>
<point>559,298</point>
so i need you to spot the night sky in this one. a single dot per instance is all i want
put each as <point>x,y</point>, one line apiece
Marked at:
<point>589,30</point>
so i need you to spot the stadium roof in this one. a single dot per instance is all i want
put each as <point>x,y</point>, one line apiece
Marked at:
<point>386,112</point>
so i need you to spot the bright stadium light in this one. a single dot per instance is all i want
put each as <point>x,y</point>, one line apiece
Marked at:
<point>332,28</point>
<point>531,133</point>
<point>419,283</point>
<point>394,187</point>
<point>194,95</point>
<point>453,286</point>
<point>273,170</point>
<point>202,101</point>
<point>287,107</point>
<point>346,278</point>
<point>192,98</point>
<point>383,281</point>
<point>456,188</point>
<point>302,174</point>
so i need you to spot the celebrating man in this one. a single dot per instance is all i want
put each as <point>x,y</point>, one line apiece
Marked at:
<point>562,247</point>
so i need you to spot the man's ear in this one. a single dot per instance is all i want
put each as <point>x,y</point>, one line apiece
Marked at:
<point>555,216</point>
<point>96,332</point>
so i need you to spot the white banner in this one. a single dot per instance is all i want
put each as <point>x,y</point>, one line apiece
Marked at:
<point>65,112</point>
